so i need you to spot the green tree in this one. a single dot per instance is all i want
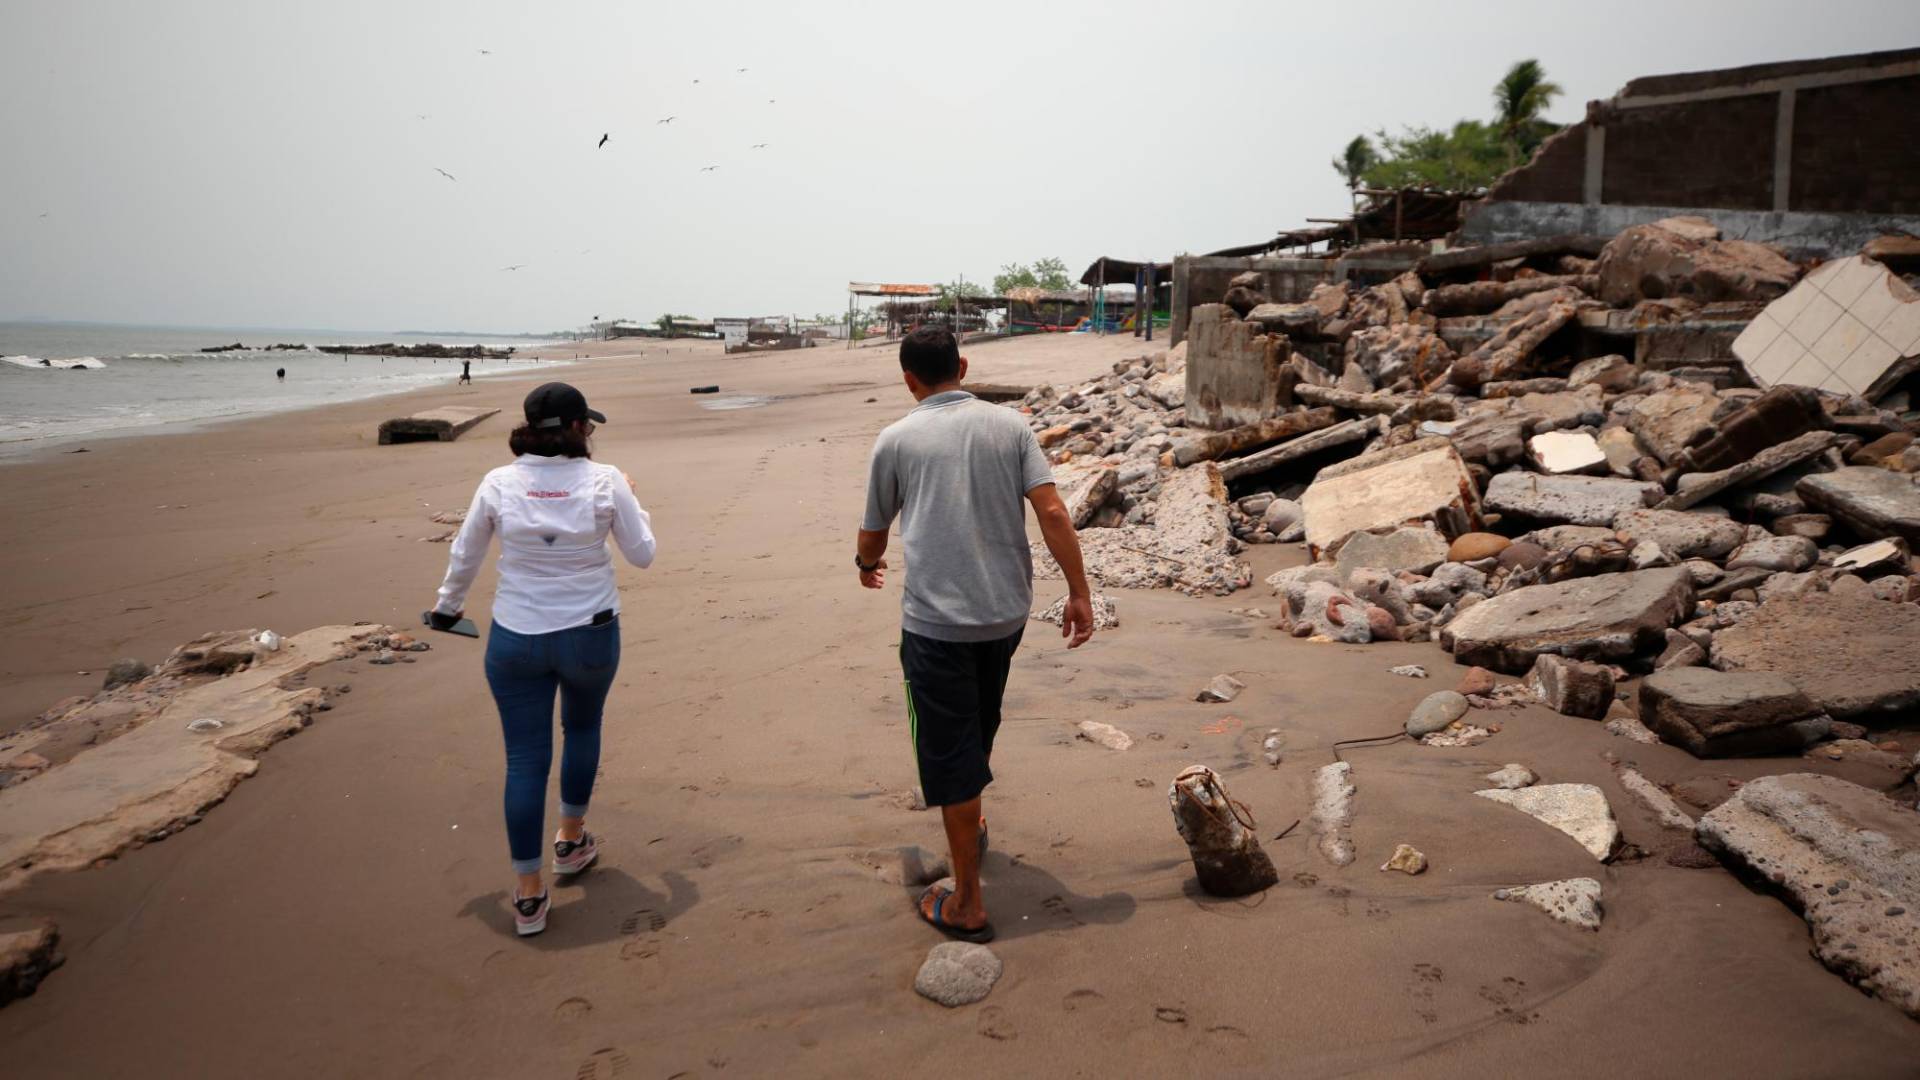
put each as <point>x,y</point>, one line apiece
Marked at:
<point>1518,100</point>
<point>1013,276</point>
<point>1051,275</point>
<point>665,322</point>
<point>965,290</point>
<point>1469,156</point>
<point>1355,160</point>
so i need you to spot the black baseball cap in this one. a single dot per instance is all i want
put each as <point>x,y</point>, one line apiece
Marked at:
<point>555,404</point>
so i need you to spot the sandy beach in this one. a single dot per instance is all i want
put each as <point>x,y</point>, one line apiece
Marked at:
<point>343,912</point>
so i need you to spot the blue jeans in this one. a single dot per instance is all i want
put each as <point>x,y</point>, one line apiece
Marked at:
<point>523,671</point>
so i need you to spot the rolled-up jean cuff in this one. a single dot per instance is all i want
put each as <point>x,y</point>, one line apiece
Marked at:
<point>526,866</point>
<point>568,809</point>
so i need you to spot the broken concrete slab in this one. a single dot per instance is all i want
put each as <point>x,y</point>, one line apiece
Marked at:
<point>1857,657</point>
<point>1609,617</point>
<point>1169,388</point>
<point>1561,452</point>
<point>1695,488</point>
<point>1890,556</point>
<point>1414,548</point>
<point>1685,257</point>
<point>1421,481</point>
<point>1511,350</point>
<point>1576,500</point>
<point>29,951</point>
<point>1084,488</point>
<point>1782,413</point>
<point>1105,735</point>
<point>1622,448</point>
<point>1219,444</point>
<point>1341,434</point>
<point>1669,421</point>
<point>1781,554</point>
<point>1579,810</point>
<point>434,425</point>
<point>1851,327</point>
<point>1575,901</point>
<point>1571,687</point>
<point>1874,503</point>
<point>1681,534</point>
<point>1848,858</point>
<point>1510,776</point>
<point>1712,713</point>
<point>162,771</point>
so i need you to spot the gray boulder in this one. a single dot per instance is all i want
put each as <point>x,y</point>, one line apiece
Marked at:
<point>1872,502</point>
<point>1409,548</point>
<point>1574,500</point>
<point>1680,533</point>
<point>1435,712</point>
<point>1790,554</point>
<point>1729,714</point>
<point>1610,617</point>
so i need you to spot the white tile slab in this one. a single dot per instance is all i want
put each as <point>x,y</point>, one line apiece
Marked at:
<point>1852,279</point>
<point>1873,304</point>
<point>1868,362</point>
<point>1759,334</point>
<point>1901,328</point>
<point>1776,361</point>
<point>1820,314</point>
<point>1788,307</point>
<point>1838,343</point>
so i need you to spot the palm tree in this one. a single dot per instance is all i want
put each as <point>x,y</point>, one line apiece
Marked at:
<point>1356,159</point>
<point>1518,101</point>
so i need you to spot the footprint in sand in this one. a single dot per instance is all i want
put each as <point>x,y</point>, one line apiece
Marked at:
<point>1167,1014</point>
<point>1502,997</point>
<point>653,921</point>
<point>995,1025</point>
<point>574,1008</point>
<point>1306,880</point>
<point>1227,1031</point>
<point>1082,999</point>
<point>1426,978</point>
<point>603,1063</point>
<point>1057,907</point>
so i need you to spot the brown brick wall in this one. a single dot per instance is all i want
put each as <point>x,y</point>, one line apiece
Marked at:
<point>1557,172</point>
<point>1856,147</point>
<point>1716,153</point>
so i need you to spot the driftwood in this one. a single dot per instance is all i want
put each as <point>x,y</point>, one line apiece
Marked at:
<point>1477,258</point>
<point>1271,430</point>
<point>1275,456</point>
<point>1227,856</point>
<point>1481,297</point>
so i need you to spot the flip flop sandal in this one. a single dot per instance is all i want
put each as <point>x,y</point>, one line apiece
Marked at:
<point>979,935</point>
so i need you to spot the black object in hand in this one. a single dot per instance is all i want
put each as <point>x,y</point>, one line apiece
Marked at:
<point>452,624</point>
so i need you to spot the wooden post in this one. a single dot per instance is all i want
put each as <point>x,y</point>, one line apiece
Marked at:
<point>1149,294</point>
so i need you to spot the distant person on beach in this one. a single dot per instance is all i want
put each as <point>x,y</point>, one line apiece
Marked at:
<point>281,374</point>
<point>955,471</point>
<point>556,621</point>
<point>466,373</point>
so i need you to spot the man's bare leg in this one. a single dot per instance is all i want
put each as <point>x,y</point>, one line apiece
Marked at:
<point>966,908</point>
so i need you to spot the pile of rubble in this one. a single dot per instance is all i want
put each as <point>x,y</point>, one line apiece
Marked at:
<point>1460,471</point>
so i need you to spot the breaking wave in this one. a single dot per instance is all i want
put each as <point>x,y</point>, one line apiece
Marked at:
<point>82,362</point>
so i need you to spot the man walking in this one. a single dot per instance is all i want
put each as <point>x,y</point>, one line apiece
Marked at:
<point>955,471</point>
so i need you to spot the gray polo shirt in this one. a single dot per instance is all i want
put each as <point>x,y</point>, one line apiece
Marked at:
<point>956,471</point>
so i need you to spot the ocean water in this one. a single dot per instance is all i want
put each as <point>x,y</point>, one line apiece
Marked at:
<point>63,383</point>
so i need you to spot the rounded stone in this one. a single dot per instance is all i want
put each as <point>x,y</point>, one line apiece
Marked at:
<point>1523,555</point>
<point>1435,712</point>
<point>1470,547</point>
<point>957,973</point>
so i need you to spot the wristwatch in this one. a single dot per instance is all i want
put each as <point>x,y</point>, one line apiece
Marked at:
<point>864,568</point>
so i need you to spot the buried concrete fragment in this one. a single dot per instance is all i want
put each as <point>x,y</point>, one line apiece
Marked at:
<point>1511,776</point>
<point>1105,735</point>
<point>1331,820</point>
<point>1872,502</point>
<point>1223,688</point>
<point>163,771</point>
<point>1570,687</point>
<point>1848,858</point>
<point>1610,617</point>
<point>1106,616</point>
<point>1227,857</point>
<point>1656,800</point>
<point>1579,810</point>
<point>957,973</point>
<point>28,953</point>
<point>1575,901</point>
<point>1572,500</point>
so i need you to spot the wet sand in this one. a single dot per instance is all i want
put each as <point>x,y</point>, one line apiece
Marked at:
<point>343,912</point>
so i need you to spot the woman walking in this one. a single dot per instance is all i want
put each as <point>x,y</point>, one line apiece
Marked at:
<point>556,621</point>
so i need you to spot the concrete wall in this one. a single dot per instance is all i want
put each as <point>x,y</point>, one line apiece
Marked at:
<point>1802,235</point>
<point>1233,370</point>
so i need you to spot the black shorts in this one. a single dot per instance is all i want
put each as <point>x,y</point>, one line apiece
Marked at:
<point>953,710</point>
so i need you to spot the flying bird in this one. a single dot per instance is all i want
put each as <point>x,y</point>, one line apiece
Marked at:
<point>419,116</point>
<point>602,142</point>
<point>708,168</point>
<point>447,174</point>
<point>486,52</point>
<point>668,120</point>
<point>769,101</point>
<point>696,82</point>
<point>759,146</point>
<point>740,71</point>
<point>515,266</point>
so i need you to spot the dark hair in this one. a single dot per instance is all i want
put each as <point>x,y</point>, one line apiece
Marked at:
<point>931,355</point>
<point>564,441</point>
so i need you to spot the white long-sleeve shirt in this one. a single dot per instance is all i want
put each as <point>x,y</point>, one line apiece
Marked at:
<point>553,516</point>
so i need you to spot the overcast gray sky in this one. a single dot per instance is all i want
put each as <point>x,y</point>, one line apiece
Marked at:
<point>272,164</point>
